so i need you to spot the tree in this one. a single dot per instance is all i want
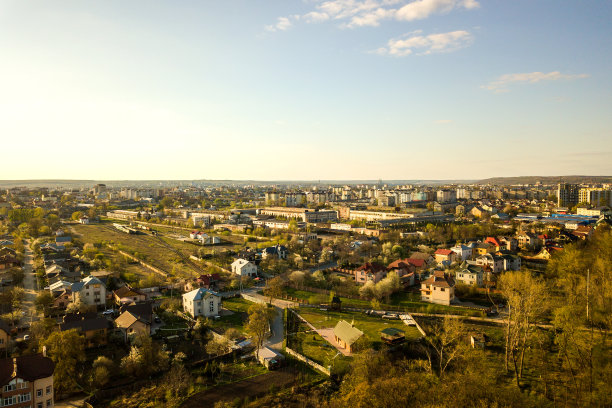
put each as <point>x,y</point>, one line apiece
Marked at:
<point>527,303</point>
<point>103,367</point>
<point>219,346</point>
<point>67,350</point>
<point>44,301</point>
<point>76,215</point>
<point>274,288</point>
<point>447,343</point>
<point>258,324</point>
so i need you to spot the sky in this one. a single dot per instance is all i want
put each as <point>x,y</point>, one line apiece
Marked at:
<point>305,89</point>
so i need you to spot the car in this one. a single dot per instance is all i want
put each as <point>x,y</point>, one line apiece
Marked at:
<point>391,316</point>
<point>157,319</point>
<point>108,312</point>
<point>26,337</point>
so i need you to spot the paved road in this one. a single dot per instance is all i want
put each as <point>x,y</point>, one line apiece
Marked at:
<point>30,284</point>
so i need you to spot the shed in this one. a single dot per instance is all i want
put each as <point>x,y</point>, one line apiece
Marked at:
<point>346,334</point>
<point>391,335</point>
<point>270,358</point>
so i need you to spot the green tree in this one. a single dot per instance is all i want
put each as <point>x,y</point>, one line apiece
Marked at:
<point>258,324</point>
<point>67,350</point>
<point>274,288</point>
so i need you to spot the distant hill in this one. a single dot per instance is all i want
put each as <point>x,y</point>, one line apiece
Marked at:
<point>547,180</point>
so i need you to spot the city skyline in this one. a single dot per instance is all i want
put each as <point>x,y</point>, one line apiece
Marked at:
<point>305,90</point>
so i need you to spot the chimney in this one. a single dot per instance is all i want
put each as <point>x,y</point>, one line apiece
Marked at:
<point>44,351</point>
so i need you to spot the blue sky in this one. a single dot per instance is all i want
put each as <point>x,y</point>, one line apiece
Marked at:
<point>305,89</point>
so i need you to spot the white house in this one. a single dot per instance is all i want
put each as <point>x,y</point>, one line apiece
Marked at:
<point>463,252</point>
<point>243,267</point>
<point>438,288</point>
<point>90,291</point>
<point>202,302</point>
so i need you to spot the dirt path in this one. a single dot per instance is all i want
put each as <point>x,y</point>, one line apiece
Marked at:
<point>247,388</point>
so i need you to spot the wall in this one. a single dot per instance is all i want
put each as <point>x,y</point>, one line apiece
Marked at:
<point>307,361</point>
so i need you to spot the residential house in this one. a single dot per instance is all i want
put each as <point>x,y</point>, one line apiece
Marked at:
<point>496,263</point>
<point>94,329</point>
<point>27,381</point>
<point>370,272</point>
<point>8,261</point>
<point>90,291</point>
<point>243,267</point>
<point>472,275</point>
<point>463,252</point>
<point>511,262</point>
<point>526,240</point>
<point>444,257</point>
<point>126,295</point>
<point>583,232</point>
<point>202,302</point>
<point>62,240</point>
<point>510,243</point>
<point>5,335</point>
<point>135,319</point>
<point>404,269</point>
<point>482,248</point>
<point>208,281</point>
<point>62,299</point>
<point>346,335</point>
<point>279,251</point>
<point>438,288</point>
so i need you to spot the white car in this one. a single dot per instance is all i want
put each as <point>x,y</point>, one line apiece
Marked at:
<point>108,312</point>
<point>26,337</point>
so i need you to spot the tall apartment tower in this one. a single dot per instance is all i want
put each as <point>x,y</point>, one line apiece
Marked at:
<point>567,195</point>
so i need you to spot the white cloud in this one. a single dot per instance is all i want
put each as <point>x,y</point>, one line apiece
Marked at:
<point>359,13</point>
<point>420,9</point>
<point>500,84</point>
<point>428,44</point>
<point>282,24</point>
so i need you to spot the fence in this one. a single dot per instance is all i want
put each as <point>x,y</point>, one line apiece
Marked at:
<point>253,299</point>
<point>308,361</point>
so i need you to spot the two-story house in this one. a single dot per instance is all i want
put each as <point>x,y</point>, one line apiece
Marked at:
<point>202,302</point>
<point>438,288</point>
<point>472,275</point>
<point>242,267</point>
<point>370,272</point>
<point>90,291</point>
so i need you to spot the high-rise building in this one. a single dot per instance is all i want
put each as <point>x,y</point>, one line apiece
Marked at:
<point>595,196</point>
<point>567,194</point>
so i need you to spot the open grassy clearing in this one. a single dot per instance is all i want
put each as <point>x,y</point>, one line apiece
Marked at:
<point>153,250</point>
<point>401,301</point>
<point>237,320</point>
<point>370,326</point>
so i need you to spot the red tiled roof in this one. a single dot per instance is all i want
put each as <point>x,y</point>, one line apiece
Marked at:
<point>444,252</point>
<point>416,262</point>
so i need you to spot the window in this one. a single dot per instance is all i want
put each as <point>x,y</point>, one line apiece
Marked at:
<point>39,392</point>
<point>49,403</point>
<point>48,390</point>
<point>39,405</point>
<point>442,289</point>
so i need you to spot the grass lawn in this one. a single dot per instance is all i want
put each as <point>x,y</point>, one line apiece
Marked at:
<point>401,301</point>
<point>370,326</point>
<point>236,320</point>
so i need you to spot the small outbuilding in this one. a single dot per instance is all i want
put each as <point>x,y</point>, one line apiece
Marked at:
<point>346,335</point>
<point>391,335</point>
<point>270,358</point>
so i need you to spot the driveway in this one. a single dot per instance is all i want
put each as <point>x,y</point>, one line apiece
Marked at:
<point>277,329</point>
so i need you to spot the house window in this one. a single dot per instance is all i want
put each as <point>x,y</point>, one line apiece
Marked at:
<point>1,341</point>
<point>39,405</point>
<point>212,306</point>
<point>49,403</point>
<point>48,390</point>
<point>39,392</point>
<point>442,289</point>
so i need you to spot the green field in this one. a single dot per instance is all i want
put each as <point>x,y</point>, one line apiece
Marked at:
<point>236,320</point>
<point>370,326</point>
<point>401,301</point>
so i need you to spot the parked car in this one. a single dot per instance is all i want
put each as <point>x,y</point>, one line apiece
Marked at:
<point>26,337</point>
<point>391,316</point>
<point>157,319</point>
<point>108,312</point>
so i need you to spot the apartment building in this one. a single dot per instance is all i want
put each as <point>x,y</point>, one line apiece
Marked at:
<point>27,381</point>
